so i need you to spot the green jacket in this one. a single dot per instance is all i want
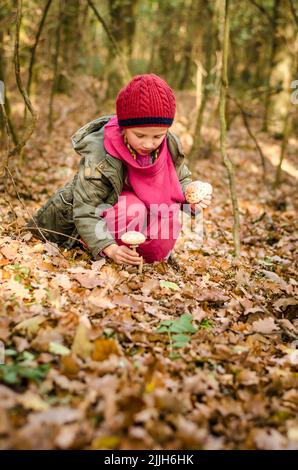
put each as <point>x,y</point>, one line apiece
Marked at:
<point>71,211</point>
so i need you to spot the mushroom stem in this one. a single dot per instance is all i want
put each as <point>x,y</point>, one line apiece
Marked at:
<point>141,265</point>
<point>192,223</point>
<point>134,247</point>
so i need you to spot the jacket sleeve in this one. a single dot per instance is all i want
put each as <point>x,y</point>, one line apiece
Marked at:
<point>184,176</point>
<point>89,195</point>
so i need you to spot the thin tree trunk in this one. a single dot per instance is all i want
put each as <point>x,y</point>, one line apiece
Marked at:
<point>244,115</point>
<point>202,104</point>
<point>194,21</point>
<point>224,19</point>
<point>124,70</point>
<point>29,130</point>
<point>6,119</point>
<point>4,162</point>
<point>286,133</point>
<point>34,47</point>
<point>281,72</point>
<point>272,53</point>
<point>56,67</point>
<point>194,152</point>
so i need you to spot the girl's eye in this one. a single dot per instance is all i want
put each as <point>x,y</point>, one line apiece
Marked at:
<point>155,137</point>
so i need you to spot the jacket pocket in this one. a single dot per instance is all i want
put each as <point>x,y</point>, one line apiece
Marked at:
<point>55,217</point>
<point>94,170</point>
<point>64,205</point>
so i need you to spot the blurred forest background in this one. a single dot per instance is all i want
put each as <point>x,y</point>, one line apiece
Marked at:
<point>92,348</point>
<point>85,48</point>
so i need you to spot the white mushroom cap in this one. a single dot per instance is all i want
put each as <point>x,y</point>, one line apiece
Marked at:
<point>133,238</point>
<point>196,191</point>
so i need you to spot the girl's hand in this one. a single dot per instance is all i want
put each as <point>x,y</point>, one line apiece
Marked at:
<point>122,254</point>
<point>205,202</point>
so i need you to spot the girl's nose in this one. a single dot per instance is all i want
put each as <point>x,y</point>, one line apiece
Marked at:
<point>148,146</point>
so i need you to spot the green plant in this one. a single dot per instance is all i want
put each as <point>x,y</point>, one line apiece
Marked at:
<point>181,327</point>
<point>206,324</point>
<point>13,373</point>
<point>21,368</point>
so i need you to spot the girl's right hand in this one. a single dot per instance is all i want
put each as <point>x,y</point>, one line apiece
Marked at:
<point>122,254</point>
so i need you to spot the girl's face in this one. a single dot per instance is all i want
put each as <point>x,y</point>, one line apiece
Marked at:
<point>145,139</point>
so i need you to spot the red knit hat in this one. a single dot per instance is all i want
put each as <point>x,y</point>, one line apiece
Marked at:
<point>146,100</point>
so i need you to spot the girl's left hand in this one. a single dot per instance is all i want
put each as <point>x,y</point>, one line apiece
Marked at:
<point>202,204</point>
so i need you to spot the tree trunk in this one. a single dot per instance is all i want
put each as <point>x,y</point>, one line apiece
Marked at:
<point>56,67</point>
<point>194,30</point>
<point>224,20</point>
<point>209,47</point>
<point>5,116</point>
<point>28,130</point>
<point>281,69</point>
<point>70,39</point>
<point>117,71</point>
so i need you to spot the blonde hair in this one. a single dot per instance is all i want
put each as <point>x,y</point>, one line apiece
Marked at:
<point>133,152</point>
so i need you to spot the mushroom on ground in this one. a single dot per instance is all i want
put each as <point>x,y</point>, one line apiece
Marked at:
<point>134,239</point>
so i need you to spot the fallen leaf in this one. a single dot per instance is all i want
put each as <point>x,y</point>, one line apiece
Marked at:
<point>51,249</point>
<point>17,289</point>
<point>81,345</point>
<point>169,285</point>
<point>248,377</point>
<point>59,349</point>
<point>10,251</point>
<point>97,265</point>
<point>31,325</point>
<point>283,303</point>
<point>89,280</point>
<point>273,277</point>
<point>99,300</point>
<point>61,280</point>
<point>269,439</point>
<point>58,416</point>
<point>70,367</point>
<point>31,401</point>
<point>253,310</point>
<point>149,285</point>
<point>212,295</point>
<point>265,326</point>
<point>103,348</point>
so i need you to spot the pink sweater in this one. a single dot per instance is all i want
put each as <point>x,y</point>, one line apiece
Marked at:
<point>155,183</point>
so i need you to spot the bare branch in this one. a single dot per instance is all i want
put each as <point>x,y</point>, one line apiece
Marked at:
<point>125,70</point>
<point>263,11</point>
<point>33,50</point>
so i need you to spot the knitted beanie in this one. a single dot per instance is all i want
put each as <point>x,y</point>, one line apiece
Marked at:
<point>146,100</point>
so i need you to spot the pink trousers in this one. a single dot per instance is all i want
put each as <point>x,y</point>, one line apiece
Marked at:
<point>160,225</point>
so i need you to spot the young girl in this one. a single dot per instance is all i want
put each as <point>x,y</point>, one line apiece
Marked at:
<point>132,176</point>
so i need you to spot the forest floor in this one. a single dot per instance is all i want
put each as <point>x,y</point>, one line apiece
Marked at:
<point>199,356</point>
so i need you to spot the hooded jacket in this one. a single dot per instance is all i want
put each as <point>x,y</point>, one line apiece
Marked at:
<point>73,210</point>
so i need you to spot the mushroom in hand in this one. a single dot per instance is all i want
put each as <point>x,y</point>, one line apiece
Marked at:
<point>196,191</point>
